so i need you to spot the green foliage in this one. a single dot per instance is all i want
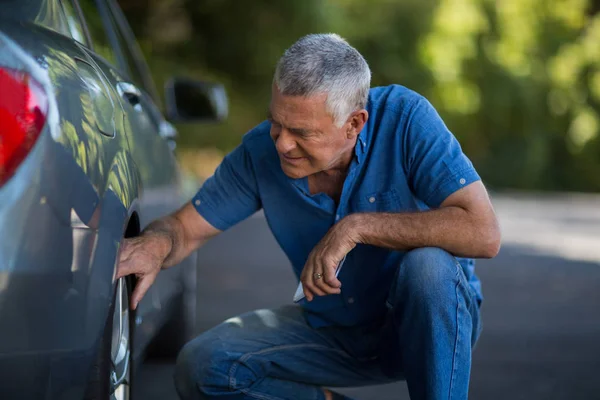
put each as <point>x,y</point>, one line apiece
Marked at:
<point>517,81</point>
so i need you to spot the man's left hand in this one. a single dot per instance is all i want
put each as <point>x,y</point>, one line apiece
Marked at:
<point>318,276</point>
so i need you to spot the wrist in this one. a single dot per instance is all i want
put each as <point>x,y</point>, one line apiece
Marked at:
<point>354,225</point>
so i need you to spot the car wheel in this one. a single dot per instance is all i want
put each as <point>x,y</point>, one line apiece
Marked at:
<point>111,374</point>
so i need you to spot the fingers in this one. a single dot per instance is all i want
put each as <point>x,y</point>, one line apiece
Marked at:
<point>123,269</point>
<point>329,278</point>
<point>307,293</point>
<point>310,290</point>
<point>141,287</point>
<point>124,266</point>
<point>308,287</point>
<point>135,258</point>
<point>313,286</point>
<point>322,284</point>
<point>325,287</point>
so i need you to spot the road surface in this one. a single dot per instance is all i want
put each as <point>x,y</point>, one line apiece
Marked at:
<point>541,313</point>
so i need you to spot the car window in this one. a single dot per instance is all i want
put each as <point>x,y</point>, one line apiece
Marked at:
<point>100,37</point>
<point>129,62</point>
<point>132,53</point>
<point>47,13</point>
<point>74,23</point>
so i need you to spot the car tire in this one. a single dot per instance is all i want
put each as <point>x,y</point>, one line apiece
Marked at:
<point>112,371</point>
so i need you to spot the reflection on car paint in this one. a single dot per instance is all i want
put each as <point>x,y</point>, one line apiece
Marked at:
<point>50,15</point>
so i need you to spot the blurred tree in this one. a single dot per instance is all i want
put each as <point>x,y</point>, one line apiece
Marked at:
<point>517,88</point>
<point>518,81</point>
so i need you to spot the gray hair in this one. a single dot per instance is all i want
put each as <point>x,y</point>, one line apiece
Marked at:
<point>325,63</point>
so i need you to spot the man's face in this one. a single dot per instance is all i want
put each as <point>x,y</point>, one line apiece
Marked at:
<point>306,136</point>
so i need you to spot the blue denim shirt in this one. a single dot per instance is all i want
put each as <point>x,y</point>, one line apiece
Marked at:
<point>405,160</point>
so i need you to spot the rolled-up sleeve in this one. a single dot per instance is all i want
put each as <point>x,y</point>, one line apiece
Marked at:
<point>434,160</point>
<point>231,194</point>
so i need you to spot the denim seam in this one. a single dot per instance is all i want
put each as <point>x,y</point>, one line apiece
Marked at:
<point>457,332</point>
<point>232,370</point>
<point>464,283</point>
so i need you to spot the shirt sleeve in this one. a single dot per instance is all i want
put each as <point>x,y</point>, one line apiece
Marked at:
<point>231,194</point>
<point>434,161</point>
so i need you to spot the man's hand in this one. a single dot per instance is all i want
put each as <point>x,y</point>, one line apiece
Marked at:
<point>325,258</point>
<point>143,256</point>
<point>163,243</point>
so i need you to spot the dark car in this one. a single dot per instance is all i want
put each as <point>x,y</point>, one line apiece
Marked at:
<point>86,159</point>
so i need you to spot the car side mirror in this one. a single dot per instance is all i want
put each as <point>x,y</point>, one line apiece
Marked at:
<point>188,100</point>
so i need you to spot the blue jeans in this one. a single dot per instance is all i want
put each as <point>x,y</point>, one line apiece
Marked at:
<point>426,339</point>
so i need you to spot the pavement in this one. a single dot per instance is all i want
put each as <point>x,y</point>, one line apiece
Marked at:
<point>541,314</point>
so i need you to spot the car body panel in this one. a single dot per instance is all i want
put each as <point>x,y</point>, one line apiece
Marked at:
<point>99,160</point>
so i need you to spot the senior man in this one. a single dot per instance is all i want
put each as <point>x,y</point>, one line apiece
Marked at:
<point>370,178</point>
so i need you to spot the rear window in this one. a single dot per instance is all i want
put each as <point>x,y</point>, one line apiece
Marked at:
<point>100,36</point>
<point>47,13</point>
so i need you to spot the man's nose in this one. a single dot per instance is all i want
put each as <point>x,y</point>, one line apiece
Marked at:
<point>285,141</point>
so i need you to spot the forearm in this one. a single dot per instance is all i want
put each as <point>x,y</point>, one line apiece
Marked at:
<point>453,229</point>
<point>168,234</point>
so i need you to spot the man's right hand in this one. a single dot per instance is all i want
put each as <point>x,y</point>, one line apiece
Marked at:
<point>142,256</point>
<point>163,244</point>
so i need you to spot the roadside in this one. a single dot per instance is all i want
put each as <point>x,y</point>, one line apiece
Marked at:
<point>562,225</point>
<point>541,321</point>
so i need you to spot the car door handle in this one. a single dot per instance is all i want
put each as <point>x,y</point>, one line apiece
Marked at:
<point>130,93</point>
<point>166,130</point>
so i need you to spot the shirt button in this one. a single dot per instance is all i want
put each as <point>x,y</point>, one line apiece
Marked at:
<point>372,199</point>
<point>197,202</point>
<point>462,181</point>
<point>350,300</point>
<point>337,217</point>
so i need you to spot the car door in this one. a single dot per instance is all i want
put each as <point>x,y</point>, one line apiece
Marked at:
<point>150,139</point>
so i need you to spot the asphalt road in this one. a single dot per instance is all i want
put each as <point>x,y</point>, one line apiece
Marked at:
<point>541,314</point>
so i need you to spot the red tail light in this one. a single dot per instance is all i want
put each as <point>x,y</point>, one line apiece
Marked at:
<point>23,109</point>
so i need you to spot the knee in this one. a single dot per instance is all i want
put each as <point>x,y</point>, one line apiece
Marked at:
<point>197,368</point>
<point>425,272</point>
<point>214,364</point>
<point>428,265</point>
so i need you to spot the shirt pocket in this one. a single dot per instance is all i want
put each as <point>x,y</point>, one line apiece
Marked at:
<point>384,201</point>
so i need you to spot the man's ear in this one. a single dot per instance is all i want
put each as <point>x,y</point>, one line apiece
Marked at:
<point>357,122</point>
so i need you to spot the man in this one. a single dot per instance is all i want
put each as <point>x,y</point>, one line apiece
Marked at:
<point>368,178</point>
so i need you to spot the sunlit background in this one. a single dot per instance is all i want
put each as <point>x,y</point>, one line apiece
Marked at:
<point>517,81</point>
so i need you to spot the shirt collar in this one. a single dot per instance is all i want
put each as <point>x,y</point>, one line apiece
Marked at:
<point>361,145</point>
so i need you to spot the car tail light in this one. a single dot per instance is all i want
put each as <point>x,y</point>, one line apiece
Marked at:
<point>23,110</point>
